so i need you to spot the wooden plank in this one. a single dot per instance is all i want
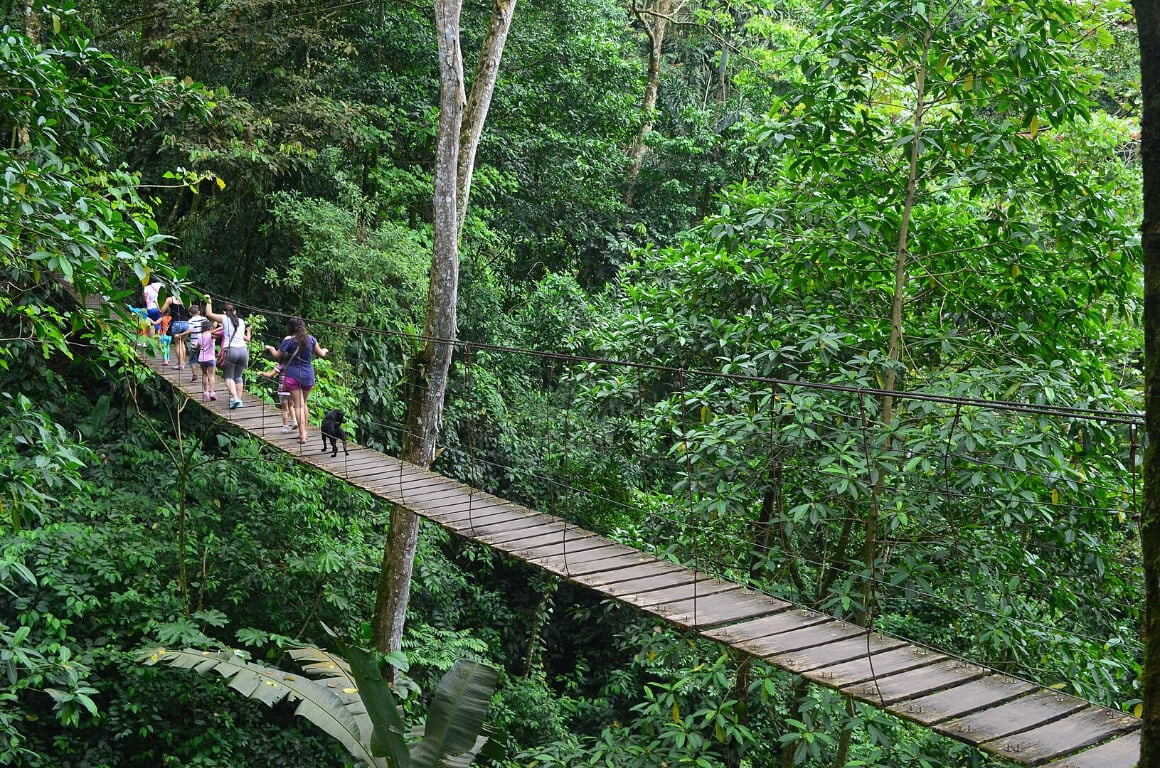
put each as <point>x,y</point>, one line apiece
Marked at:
<point>988,691</point>
<point>815,634</point>
<point>513,538</point>
<point>576,553</point>
<point>1084,728</point>
<point>444,505</point>
<point>546,547</point>
<point>430,490</point>
<point>604,560</point>
<point>818,656</point>
<point>449,505</point>
<point>359,460</point>
<point>1037,708</point>
<point>514,530</point>
<point>522,532</point>
<point>653,577</point>
<point>651,567</point>
<point>1122,752</point>
<point>748,635</point>
<point>470,504</point>
<point>723,609</point>
<point>391,483</point>
<point>398,471</point>
<point>502,525</point>
<point>514,525</point>
<point>533,540</point>
<point>864,672</point>
<point>680,592</point>
<point>463,515</point>
<point>571,560</point>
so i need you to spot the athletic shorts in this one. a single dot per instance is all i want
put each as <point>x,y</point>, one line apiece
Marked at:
<point>292,385</point>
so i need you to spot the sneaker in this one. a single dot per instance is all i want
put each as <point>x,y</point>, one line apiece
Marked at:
<point>234,403</point>
<point>293,425</point>
<point>205,395</point>
<point>213,395</point>
<point>286,428</point>
<point>165,362</point>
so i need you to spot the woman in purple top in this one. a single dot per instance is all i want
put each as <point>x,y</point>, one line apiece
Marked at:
<point>296,353</point>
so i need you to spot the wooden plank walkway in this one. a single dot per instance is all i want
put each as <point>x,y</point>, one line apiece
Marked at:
<point>1003,716</point>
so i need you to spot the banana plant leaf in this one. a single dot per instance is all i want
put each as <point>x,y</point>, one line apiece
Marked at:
<point>332,703</point>
<point>388,727</point>
<point>451,735</point>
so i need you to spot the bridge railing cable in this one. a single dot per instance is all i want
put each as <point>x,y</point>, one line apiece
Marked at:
<point>768,482</point>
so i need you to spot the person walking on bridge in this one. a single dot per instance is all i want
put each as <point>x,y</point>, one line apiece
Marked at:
<point>297,353</point>
<point>235,335</point>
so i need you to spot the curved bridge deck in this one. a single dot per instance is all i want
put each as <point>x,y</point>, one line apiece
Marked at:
<point>1004,716</point>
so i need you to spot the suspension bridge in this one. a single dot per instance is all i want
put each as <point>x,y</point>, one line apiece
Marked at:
<point>1001,714</point>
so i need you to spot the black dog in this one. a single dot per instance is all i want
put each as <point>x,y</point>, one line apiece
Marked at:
<point>332,430</point>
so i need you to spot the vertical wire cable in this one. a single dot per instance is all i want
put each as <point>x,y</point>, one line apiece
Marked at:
<point>689,482</point>
<point>871,548</point>
<point>567,468</point>
<point>1132,431</point>
<point>469,383</point>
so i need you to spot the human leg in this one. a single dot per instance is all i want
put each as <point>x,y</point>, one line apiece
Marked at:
<point>243,361</point>
<point>298,408</point>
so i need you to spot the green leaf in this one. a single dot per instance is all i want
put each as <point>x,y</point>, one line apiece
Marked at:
<point>457,714</point>
<point>387,722</point>
<point>320,702</point>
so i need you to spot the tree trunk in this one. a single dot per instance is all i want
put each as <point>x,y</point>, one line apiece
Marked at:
<point>32,29</point>
<point>427,375</point>
<point>460,128</point>
<point>154,28</point>
<point>894,349</point>
<point>654,22</point>
<point>482,87</point>
<point>1148,26</point>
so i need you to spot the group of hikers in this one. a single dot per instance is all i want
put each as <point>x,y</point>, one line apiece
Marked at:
<point>221,340</point>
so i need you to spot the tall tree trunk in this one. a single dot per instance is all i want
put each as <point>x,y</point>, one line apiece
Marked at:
<point>894,348</point>
<point>154,27</point>
<point>1148,26</point>
<point>460,128</point>
<point>482,87</point>
<point>427,374</point>
<point>655,21</point>
<point>32,29</point>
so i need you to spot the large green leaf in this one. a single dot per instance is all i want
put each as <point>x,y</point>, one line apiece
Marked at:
<point>387,734</point>
<point>330,703</point>
<point>451,736</point>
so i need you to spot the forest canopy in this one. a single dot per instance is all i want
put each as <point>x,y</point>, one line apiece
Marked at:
<point>841,302</point>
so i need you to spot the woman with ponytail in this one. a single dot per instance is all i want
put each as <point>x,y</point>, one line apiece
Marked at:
<point>235,334</point>
<point>296,354</point>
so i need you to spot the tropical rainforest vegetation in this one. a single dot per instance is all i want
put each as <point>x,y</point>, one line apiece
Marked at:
<point>839,300</point>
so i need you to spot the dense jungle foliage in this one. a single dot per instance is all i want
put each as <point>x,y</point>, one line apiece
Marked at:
<point>881,198</point>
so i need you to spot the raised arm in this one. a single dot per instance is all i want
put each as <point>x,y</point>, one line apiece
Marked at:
<point>215,316</point>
